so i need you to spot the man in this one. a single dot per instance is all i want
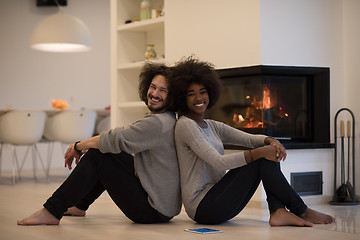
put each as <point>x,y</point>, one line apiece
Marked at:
<point>145,187</point>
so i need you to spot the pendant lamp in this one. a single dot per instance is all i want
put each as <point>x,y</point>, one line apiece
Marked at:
<point>61,33</point>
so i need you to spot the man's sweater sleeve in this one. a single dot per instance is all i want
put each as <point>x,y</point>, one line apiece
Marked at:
<point>137,137</point>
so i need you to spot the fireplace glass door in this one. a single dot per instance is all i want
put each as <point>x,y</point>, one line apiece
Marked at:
<point>277,106</point>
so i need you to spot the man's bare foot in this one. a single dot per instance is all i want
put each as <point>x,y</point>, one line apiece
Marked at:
<point>74,211</point>
<point>282,217</point>
<point>41,217</point>
<point>317,217</point>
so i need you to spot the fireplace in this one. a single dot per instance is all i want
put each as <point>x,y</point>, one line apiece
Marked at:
<point>291,104</point>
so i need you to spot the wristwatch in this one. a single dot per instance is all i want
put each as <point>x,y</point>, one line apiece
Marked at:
<point>75,148</point>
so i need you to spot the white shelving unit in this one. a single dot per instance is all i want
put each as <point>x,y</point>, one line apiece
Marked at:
<point>128,44</point>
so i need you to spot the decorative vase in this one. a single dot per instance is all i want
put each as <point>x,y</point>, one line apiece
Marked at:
<point>145,10</point>
<point>150,52</point>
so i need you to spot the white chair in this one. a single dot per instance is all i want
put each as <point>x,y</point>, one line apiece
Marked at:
<point>102,125</point>
<point>69,126</point>
<point>22,128</point>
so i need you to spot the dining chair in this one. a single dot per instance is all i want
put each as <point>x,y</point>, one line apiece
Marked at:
<point>102,124</point>
<point>67,127</point>
<point>22,128</point>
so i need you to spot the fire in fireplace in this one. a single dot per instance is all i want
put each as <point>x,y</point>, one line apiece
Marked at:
<point>291,104</point>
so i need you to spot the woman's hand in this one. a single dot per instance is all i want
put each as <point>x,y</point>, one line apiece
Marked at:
<point>70,154</point>
<point>270,153</point>
<point>280,149</point>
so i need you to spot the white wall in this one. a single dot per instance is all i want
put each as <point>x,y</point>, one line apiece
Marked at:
<point>306,33</point>
<point>226,33</point>
<point>30,79</point>
<point>351,79</point>
<point>273,32</point>
<point>316,33</point>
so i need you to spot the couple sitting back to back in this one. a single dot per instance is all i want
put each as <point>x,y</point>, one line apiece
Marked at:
<point>142,170</point>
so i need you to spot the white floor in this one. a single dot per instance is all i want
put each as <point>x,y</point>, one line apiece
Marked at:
<point>105,221</point>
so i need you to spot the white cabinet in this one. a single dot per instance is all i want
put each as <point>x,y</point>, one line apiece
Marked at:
<point>128,44</point>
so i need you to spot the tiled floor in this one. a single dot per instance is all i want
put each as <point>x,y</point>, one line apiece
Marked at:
<point>105,221</point>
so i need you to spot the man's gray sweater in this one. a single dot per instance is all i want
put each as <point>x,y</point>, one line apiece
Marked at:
<point>151,140</point>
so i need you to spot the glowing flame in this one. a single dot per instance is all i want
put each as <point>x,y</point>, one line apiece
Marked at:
<point>253,116</point>
<point>238,118</point>
<point>240,121</point>
<point>266,104</point>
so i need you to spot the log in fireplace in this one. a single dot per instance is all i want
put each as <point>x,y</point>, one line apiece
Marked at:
<point>289,103</point>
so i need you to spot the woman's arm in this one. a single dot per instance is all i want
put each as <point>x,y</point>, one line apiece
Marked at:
<point>280,149</point>
<point>273,151</point>
<point>233,136</point>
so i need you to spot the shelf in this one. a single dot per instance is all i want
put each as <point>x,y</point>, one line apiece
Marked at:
<point>139,64</point>
<point>143,26</point>
<point>128,58</point>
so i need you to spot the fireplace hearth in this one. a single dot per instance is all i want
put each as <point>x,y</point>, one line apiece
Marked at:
<point>291,104</point>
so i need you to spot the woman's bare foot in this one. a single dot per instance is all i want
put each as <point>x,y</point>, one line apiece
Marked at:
<point>41,217</point>
<point>317,217</point>
<point>282,217</point>
<point>74,211</point>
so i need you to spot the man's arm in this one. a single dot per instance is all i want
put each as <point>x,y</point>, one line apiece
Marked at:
<point>88,143</point>
<point>81,147</point>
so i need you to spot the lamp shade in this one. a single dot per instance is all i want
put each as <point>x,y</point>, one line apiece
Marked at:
<point>61,33</point>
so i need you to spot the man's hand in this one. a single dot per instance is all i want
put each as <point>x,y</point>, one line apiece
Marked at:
<point>70,154</point>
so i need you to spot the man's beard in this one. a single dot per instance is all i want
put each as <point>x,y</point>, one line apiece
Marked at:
<point>156,109</point>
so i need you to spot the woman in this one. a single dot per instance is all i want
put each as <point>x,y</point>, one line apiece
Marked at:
<point>209,194</point>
